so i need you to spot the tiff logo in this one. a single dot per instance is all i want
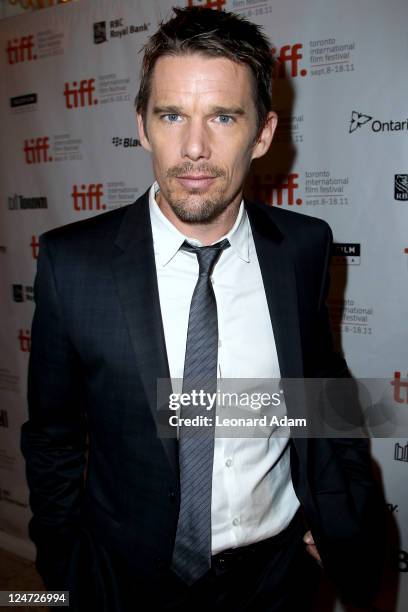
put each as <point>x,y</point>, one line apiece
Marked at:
<point>80,95</point>
<point>3,418</point>
<point>288,55</point>
<point>36,150</point>
<point>88,197</point>
<point>401,452</point>
<point>35,245</point>
<point>20,50</point>
<point>25,340</point>
<point>278,192</point>
<point>398,385</point>
<point>212,4</point>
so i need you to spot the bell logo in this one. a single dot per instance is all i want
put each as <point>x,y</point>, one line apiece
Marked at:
<point>36,150</point>
<point>80,95</point>
<point>399,396</point>
<point>278,192</point>
<point>212,4</point>
<point>20,50</point>
<point>288,55</point>
<point>88,197</point>
<point>25,340</point>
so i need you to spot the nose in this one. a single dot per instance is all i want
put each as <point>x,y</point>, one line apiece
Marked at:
<point>196,140</point>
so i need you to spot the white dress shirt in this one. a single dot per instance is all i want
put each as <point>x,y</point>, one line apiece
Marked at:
<point>252,492</point>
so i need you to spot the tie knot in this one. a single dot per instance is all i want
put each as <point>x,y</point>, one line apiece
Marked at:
<point>207,255</point>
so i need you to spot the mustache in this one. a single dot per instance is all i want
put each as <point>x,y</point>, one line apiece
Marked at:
<point>189,168</point>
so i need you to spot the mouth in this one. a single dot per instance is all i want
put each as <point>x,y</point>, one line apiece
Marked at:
<point>199,181</point>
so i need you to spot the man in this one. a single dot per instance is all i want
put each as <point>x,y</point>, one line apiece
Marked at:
<point>191,282</point>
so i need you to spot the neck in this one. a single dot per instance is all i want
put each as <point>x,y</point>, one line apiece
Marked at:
<point>206,233</point>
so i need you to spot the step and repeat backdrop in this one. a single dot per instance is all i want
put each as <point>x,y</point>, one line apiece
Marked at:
<point>70,150</point>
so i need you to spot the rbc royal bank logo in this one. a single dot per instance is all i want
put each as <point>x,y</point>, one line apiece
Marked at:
<point>36,150</point>
<point>20,50</point>
<point>80,94</point>
<point>99,30</point>
<point>88,197</point>
<point>401,187</point>
<point>288,60</point>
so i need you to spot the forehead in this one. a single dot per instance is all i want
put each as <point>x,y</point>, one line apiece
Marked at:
<point>187,76</point>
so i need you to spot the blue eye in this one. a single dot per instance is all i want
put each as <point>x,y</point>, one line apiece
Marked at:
<point>225,119</point>
<point>171,117</point>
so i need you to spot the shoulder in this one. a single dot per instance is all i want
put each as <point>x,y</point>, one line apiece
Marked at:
<point>95,228</point>
<point>95,235</point>
<point>289,222</point>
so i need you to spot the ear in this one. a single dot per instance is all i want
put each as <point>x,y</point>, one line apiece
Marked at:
<point>142,134</point>
<point>264,139</point>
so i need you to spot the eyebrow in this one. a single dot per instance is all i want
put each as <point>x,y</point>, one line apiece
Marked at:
<point>215,110</point>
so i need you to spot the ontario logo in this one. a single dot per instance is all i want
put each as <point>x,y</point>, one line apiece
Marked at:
<point>358,120</point>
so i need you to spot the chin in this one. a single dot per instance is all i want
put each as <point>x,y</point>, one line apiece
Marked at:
<point>203,212</point>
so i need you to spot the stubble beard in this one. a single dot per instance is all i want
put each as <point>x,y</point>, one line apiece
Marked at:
<point>196,208</point>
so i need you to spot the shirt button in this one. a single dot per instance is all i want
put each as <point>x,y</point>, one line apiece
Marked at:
<point>228,462</point>
<point>235,522</point>
<point>219,342</point>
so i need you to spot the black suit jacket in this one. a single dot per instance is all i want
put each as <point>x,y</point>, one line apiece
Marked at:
<point>97,350</point>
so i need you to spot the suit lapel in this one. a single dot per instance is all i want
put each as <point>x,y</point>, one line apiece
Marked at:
<point>136,279</point>
<point>278,273</point>
<point>277,263</point>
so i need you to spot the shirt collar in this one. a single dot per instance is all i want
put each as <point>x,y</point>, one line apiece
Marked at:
<point>168,239</point>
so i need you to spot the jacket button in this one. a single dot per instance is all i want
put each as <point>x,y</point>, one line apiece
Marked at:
<point>172,496</point>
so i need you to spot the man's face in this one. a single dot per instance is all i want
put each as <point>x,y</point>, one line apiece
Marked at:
<point>201,125</point>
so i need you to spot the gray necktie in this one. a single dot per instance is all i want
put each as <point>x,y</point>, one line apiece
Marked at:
<point>192,550</point>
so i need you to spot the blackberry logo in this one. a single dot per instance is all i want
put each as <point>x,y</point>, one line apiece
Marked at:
<point>401,187</point>
<point>125,142</point>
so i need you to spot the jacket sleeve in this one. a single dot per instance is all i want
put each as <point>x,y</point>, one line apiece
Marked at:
<point>351,463</point>
<point>53,440</point>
